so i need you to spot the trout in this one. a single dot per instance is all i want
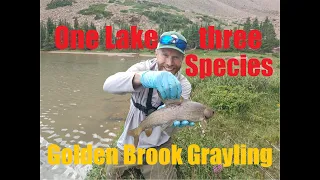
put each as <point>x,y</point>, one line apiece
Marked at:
<point>174,110</point>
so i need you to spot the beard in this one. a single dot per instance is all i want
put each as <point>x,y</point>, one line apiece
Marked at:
<point>171,69</point>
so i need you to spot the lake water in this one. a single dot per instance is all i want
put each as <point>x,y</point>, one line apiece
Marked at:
<point>74,109</point>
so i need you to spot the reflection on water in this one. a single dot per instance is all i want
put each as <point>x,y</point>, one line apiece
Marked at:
<point>74,109</point>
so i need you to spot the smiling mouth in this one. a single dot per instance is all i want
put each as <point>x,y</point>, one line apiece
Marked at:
<point>168,69</point>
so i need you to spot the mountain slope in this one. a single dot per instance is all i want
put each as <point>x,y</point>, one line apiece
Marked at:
<point>230,12</point>
<point>229,8</point>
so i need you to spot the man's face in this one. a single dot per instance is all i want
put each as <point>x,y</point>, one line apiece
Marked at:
<point>169,60</point>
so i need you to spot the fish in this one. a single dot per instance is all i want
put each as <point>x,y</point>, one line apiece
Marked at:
<point>179,109</point>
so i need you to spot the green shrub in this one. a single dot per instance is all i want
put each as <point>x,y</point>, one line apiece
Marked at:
<point>124,11</point>
<point>98,10</point>
<point>59,3</point>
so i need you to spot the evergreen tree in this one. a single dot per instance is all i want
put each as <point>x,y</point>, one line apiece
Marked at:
<point>218,27</point>
<point>191,33</point>
<point>75,23</point>
<point>92,26</point>
<point>50,27</point>
<point>269,39</point>
<point>247,25</point>
<point>255,24</point>
<point>264,27</point>
<point>43,34</point>
<point>85,26</point>
<point>260,26</point>
<point>49,43</point>
<point>102,37</point>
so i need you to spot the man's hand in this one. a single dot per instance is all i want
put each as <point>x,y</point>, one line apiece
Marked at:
<point>165,82</point>
<point>179,123</point>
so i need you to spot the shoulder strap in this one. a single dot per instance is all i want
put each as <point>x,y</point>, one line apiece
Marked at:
<point>149,108</point>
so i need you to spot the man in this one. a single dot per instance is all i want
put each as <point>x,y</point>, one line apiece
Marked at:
<point>143,80</point>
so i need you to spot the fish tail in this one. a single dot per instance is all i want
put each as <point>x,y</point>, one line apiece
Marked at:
<point>135,134</point>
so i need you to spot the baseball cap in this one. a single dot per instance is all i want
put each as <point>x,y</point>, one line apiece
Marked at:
<point>173,40</point>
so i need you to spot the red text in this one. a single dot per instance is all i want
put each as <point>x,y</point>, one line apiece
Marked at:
<point>123,39</point>
<point>232,66</point>
<point>240,38</point>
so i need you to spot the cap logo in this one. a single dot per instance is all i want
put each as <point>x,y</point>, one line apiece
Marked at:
<point>174,38</point>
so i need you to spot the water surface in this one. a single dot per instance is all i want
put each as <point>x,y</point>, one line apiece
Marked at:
<point>74,109</point>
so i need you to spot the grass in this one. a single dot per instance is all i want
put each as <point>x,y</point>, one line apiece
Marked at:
<point>247,112</point>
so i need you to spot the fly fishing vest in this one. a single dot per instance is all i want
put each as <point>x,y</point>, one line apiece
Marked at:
<point>148,109</point>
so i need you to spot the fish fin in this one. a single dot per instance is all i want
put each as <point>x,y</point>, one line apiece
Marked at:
<point>131,132</point>
<point>172,102</point>
<point>136,141</point>
<point>135,134</point>
<point>169,102</point>
<point>182,99</point>
<point>148,131</point>
<point>203,126</point>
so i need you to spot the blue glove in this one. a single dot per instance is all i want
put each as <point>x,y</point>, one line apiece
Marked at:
<point>178,123</point>
<point>165,82</point>
<point>182,123</point>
